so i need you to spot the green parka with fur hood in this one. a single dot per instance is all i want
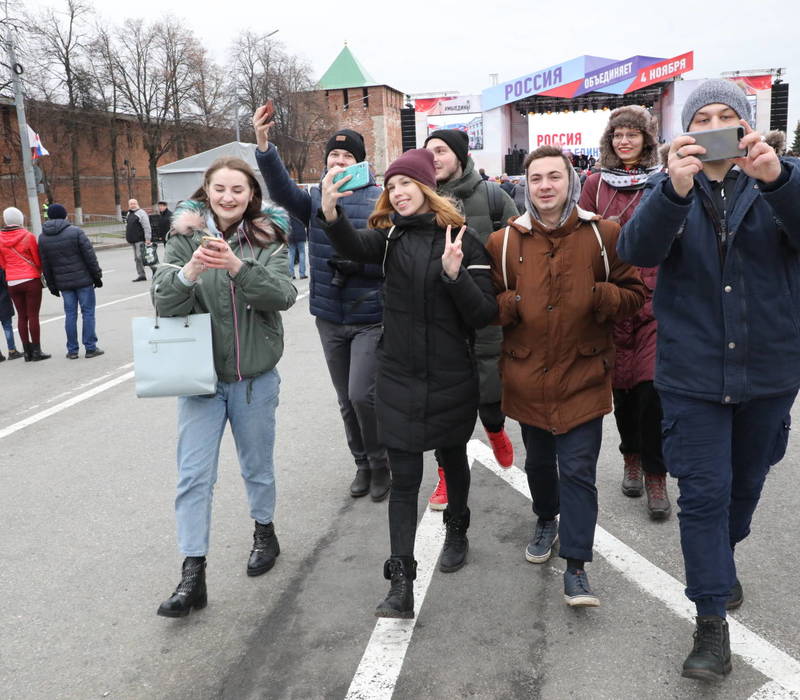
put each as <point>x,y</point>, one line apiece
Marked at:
<point>246,325</point>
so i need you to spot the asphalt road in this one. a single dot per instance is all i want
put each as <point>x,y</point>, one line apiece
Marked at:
<point>87,552</point>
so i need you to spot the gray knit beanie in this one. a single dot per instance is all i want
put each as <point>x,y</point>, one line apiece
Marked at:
<point>13,217</point>
<point>712,92</point>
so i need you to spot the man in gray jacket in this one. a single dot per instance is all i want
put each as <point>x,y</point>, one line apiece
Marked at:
<point>138,230</point>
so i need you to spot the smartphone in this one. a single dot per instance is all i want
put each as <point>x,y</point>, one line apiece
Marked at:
<point>206,241</point>
<point>360,176</point>
<point>720,144</point>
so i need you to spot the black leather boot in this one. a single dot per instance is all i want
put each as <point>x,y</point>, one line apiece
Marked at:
<point>360,485</point>
<point>399,602</point>
<point>26,351</point>
<point>380,485</point>
<point>37,354</point>
<point>191,591</point>
<point>456,544</point>
<point>710,659</point>
<point>265,550</point>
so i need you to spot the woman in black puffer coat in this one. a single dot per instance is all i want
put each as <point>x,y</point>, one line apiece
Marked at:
<point>437,292</point>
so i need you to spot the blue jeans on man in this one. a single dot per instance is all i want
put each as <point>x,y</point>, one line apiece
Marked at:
<point>85,298</point>
<point>720,454</point>
<point>250,407</point>
<point>297,251</point>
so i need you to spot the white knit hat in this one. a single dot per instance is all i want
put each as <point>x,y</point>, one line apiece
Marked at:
<point>13,217</point>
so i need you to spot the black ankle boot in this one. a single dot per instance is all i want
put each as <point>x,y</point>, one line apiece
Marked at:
<point>360,485</point>
<point>37,354</point>
<point>380,484</point>
<point>26,351</point>
<point>265,550</point>
<point>456,544</point>
<point>710,659</point>
<point>399,602</point>
<point>191,591</point>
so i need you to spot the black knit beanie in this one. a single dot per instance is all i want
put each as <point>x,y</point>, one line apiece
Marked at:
<point>348,140</point>
<point>457,140</point>
<point>56,211</point>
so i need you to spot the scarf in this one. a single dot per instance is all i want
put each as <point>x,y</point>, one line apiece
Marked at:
<point>572,199</point>
<point>630,179</point>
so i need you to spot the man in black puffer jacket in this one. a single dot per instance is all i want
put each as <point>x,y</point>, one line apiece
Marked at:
<point>71,269</point>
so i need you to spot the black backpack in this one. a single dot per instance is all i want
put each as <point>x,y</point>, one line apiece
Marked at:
<point>495,202</point>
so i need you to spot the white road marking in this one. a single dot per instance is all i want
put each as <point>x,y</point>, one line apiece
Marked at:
<point>71,391</point>
<point>773,691</point>
<point>766,658</point>
<point>379,668</point>
<point>30,420</point>
<point>99,306</point>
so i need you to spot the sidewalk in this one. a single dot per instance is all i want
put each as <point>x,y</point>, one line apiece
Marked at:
<point>107,236</point>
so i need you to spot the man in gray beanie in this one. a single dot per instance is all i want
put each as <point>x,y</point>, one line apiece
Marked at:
<point>726,235</point>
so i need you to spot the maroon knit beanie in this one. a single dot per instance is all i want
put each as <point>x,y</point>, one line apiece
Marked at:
<point>417,164</point>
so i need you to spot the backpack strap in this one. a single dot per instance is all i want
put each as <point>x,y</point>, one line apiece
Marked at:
<point>495,205</point>
<point>603,251</point>
<point>505,250</point>
<point>386,252</point>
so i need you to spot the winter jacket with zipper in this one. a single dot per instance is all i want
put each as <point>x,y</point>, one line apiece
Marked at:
<point>246,327</point>
<point>728,330</point>
<point>557,313</point>
<point>634,337</point>
<point>68,258</point>
<point>472,194</point>
<point>19,254</point>
<point>359,300</point>
<point>426,390</point>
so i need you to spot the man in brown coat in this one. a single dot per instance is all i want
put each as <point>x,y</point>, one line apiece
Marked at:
<point>560,289</point>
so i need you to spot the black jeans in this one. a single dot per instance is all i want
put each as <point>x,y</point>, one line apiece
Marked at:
<point>406,478</point>
<point>638,415</point>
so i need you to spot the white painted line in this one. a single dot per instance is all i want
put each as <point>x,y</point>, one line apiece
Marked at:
<point>773,691</point>
<point>99,306</point>
<point>5,432</point>
<point>766,658</point>
<point>72,390</point>
<point>379,668</point>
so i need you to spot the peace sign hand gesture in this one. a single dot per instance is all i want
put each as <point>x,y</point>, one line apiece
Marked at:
<point>453,255</point>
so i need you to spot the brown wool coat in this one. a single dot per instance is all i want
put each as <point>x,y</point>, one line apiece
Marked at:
<point>557,316</point>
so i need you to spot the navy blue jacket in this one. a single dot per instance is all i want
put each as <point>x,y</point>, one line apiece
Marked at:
<point>68,258</point>
<point>359,300</point>
<point>727,331</point>
<point>6,307</point>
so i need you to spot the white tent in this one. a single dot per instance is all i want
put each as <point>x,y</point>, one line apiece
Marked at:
<point>180,179</point>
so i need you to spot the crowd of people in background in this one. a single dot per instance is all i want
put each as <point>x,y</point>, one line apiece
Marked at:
<point>650,282</point>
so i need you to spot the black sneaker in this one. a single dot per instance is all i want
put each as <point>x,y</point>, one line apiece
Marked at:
<point>577,592</point>
<point>736,597</point>
<point>72,355</point>
<point>710,658</point>
<point>544,539</point>
<point>94,353</point>
<point>140,279</point>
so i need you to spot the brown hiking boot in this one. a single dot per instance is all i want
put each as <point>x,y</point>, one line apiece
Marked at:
<point>658,505</point>
<point>632,476</point>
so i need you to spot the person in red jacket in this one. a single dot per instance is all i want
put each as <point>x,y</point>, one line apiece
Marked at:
<point>628,157</point>
<point>19,257</point>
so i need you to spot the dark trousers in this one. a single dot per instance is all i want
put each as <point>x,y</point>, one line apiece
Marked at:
<point>638,415</point>
<point>492,417</point>
<point>351,355</point>
<point>561,473</point>
<point>720,454</point>
<point>27,299</point>
<point>406,478</point>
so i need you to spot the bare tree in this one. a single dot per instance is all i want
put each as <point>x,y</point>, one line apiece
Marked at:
<point>63,37</point>
<point>179,51</point>
<point>210,97</point>
<point>144,88</point>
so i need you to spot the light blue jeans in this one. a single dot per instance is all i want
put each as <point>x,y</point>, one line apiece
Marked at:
<point>250,406</point>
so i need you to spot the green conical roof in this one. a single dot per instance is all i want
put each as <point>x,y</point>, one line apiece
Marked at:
<point>345,72</point>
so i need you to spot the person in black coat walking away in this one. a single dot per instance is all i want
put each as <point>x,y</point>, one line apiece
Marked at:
<point>297,247</point>
<point>6,314</point>
<point>72,272</point>
<point>438,290</point>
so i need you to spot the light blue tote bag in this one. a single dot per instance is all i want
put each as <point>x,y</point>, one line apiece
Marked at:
<point>173,356</point>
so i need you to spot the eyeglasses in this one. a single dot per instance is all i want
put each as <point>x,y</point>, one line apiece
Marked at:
<point>629,135</point>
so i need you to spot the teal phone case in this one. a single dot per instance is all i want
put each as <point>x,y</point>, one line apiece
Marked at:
<point>360,176</point>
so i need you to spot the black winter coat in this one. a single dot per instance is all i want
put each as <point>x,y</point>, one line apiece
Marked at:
<point>68,258</point>
<point>426,390</point>
<point>6,307</point>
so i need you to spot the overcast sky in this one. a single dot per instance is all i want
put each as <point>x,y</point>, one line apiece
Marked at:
<point>429,46</point>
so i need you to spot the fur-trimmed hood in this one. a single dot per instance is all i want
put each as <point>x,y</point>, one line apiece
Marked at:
<point>633,117</point>
<point>192,215</point>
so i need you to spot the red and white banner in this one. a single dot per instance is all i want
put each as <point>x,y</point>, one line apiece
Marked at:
<point>664,70</point>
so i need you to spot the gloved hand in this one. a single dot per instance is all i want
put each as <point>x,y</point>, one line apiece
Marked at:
<point>54,292</point>
<point>345,266</point>
<point>98,283</point>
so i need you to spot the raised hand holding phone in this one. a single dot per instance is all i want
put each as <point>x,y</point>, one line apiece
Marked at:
<point>331,192</point>
<point>262,122</point>
<point>761,161</point>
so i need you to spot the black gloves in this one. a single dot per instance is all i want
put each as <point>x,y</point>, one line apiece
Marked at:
<point>98,283</point>
<point>344,266</point>
<point>54,291</point>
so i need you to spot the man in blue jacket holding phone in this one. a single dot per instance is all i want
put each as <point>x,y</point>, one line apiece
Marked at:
<point>726,235</point>
<point>344,296</point>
